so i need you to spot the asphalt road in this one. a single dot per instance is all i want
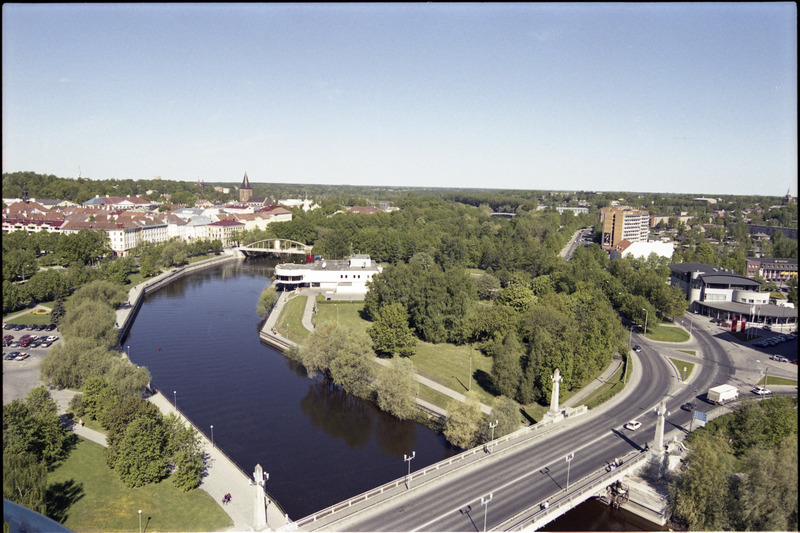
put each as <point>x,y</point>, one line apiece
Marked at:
<point>536,472</point>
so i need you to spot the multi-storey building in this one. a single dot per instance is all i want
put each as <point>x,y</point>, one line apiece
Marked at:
<point>777,270</point>
<point>623,223</point>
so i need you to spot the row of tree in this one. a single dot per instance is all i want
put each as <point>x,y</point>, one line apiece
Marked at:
<point>741,471</point>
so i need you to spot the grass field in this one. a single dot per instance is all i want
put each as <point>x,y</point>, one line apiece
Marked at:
<point>664,333</point>
<point>681,365</point>
<point>772,380</point>
<point>90,497</point>
<point>689,352</point>
<point>290,323</point>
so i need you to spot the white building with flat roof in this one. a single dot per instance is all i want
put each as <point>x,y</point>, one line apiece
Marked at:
<point>348,276</point>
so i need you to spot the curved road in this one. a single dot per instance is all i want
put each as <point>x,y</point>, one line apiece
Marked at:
<point>537,471</point>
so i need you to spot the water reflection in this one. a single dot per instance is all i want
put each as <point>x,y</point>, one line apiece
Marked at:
<point>337,413</point>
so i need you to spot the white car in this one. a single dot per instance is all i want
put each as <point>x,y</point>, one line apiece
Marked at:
<point>633,425</point>
<point>761,391</point>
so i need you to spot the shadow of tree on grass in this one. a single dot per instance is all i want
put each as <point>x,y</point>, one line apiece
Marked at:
<point>60,497</point>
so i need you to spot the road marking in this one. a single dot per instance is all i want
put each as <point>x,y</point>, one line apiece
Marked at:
<point>424,527</point>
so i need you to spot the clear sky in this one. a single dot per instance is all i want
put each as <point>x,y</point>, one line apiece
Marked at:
<point>694,98</point>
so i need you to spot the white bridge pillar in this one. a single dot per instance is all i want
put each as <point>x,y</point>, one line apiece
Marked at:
<point>661,411</point>
<point>260,505</point>
<point>554,396</point>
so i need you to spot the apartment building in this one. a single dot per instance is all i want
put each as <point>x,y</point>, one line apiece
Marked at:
<point>623,223</point>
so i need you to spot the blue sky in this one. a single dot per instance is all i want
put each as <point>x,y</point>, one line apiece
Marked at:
<point>632,97</point>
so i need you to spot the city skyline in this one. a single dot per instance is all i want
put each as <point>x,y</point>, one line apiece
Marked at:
<point>674,98</point>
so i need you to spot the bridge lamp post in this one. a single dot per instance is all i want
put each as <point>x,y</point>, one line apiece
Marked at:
<point>175,399</point>
<point>140,521</point>
<point>408,458</point>
<point>492,426</point>
<point>568,458</point>
<point>485,502</point>
<point>212,435</point>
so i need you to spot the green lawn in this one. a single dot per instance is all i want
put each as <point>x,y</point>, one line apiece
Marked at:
<point>449,365</point>
<point>664,333</point>
<point>681,365</point>
<point>773,380</point>
<point>290,323</point>
<point>345,312</point>
<point>90,497</point>
<point>689,352</point>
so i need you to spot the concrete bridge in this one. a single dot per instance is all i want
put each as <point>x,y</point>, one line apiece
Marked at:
<point>275,246</point>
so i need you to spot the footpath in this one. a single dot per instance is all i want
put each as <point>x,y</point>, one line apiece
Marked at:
<point>271,335</point>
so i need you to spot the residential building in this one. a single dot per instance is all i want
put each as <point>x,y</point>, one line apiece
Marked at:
<point>623,223</point>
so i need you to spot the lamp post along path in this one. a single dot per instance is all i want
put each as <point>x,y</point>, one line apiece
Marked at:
<point>485,502</point>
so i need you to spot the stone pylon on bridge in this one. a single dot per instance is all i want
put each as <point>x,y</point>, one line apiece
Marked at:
<point>554,397</point>
<point>260,506</point>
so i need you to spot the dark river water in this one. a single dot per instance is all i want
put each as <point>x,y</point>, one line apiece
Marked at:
<point>199,338</point>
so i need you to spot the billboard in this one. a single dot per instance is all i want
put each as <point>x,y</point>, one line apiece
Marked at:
<point>700,418</point>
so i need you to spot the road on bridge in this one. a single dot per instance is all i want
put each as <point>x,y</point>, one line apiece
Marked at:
<point>522,477</point>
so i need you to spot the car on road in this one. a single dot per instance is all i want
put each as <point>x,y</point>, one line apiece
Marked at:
<point>761,391</point>
<point>688,406</point>
<point>633,425</point>
<point>637,348</point>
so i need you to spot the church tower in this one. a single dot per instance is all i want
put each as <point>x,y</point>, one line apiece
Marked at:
<point>245,191</point>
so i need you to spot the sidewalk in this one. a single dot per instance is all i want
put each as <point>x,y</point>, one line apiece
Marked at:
<point>600,380</point>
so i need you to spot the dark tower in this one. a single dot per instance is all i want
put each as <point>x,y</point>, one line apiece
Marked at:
<point>25,194</point>
<point>245,191</point>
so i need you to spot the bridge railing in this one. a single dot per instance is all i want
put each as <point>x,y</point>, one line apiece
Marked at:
<point>537,516</point>
<point>420,475</point>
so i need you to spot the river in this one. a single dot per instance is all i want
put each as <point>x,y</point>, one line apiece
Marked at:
<point>199,339</point>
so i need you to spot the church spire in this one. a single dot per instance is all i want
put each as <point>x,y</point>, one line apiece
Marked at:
<point>245,191</point>
<point>245,182</point>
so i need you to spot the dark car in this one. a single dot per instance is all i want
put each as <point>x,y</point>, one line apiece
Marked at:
<point>637,348</point>
<point>9,326</point>
<point>50,327</point>
<point>11,356</point>
<point>688,406</point>
<point>20,327</point>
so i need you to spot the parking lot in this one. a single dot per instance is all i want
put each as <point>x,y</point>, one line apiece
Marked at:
<point>20,376</point>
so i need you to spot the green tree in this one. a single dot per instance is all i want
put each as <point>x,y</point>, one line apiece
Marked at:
<point>768,489</point>
<point>506,369</point>
<point>352,368</point>
<point>91,320</point>
<point>99,397</point>
<point>32,426</point>
<point>140,456</point>
<point>58,311</point>
<point>391,334</point>
<point>185,451</point>
<point>487,286</point>
<point>699,496</point>
<point>506,412</point>
<point>25,480</point>
<point>14,296</point>
<point>464,422</point>
<point>396,388</point>
<point>266,300</point>
<point>19,264</point>
<point>47,285</point>
<point>100,291</point>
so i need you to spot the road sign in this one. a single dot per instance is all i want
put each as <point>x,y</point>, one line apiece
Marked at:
<point>700,418</point>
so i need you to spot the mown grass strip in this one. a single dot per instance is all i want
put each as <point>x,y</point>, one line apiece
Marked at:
<point>664,333</point>
<point>88,496</point>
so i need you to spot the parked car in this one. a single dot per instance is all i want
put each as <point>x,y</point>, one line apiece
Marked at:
<point>637,348</point>
<point>633,425</point>
<point>13,344</point>
<point>760,344</point>
<point>35,344</point>
<point>767,328</point>
<point>22,356</point>
<point>761,391</point>
<point>10,356</point>
<point>8,337</point>
<point>20,327</point>
<point>52,338</point>
<point>45,344</point>
<point>50,327</point>
<point>9,326</point>
<point>781,359</point>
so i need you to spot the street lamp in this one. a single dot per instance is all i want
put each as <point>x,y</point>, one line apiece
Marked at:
<point>492,426</point>
<point>569,463</point>
<point>485,502</point>
<point>212,435</point>
<point>175,399</point>
<point>407,458</point>
<point>128,351</point>
<point>140,521</point>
